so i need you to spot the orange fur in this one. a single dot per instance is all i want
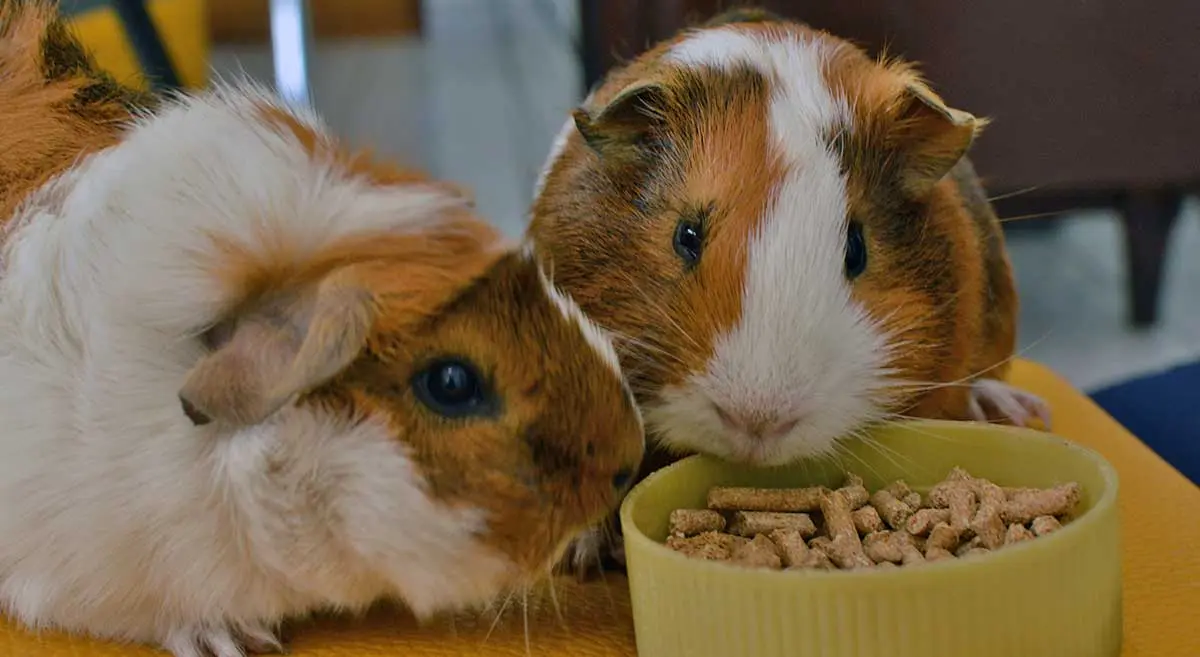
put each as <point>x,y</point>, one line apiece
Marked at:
<point>55,104</point>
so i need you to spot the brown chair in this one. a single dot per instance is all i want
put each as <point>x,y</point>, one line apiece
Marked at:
<point>1095,103</point>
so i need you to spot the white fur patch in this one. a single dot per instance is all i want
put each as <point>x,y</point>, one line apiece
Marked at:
<point>556,148</point>
<point>596,337</point>
<point>802,351</point>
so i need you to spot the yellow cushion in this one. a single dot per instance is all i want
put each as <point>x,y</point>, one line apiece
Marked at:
<point>1161,516</point>
<point>182,26</point>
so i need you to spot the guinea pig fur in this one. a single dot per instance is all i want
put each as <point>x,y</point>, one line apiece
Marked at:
<point>56,103</point>
<point>246,375</point>
<point>789,236</point>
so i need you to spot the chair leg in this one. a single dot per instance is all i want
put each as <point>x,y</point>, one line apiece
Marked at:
<point>290,39</point>
<point>144,38</point>
<point>1148,216</point>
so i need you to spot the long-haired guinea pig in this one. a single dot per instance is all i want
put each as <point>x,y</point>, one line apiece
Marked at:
<point>789,238</point>
<point>246,375</point>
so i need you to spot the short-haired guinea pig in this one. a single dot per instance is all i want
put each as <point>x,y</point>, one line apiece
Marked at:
<point>786,239</point>
<point>246,375</point>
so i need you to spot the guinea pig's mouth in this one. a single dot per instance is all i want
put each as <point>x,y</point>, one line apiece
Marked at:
<point>757,452</point>
<point>685,429</point>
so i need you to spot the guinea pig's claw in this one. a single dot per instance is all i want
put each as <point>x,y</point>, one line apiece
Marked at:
<point>597,550</point>
<point>221,641</point>
<point>262,641</point>
<point>996,399</point>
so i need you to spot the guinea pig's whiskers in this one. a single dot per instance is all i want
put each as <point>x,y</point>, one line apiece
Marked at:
<point>896,417</point>
<point>525,619</point>
<point>661,311</point>
<point>499,614</point>
<point>550,588</point>
<point>1033,215</point>
<point>967,381</point>
<point>1019,192</point>
<point>847,452</point>
<point>898,460</point>
<point>647,346</point>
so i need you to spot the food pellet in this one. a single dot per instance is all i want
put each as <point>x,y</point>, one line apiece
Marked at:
<point>854,492</point>
<point>988,524</point>
<point>938,554</point>
<point>689,522</point>
<point>886,546</point>
<point>892,510</point>
<point>1043,525</point>
<point>1017,533</point>
<point>845,548</point>
<point>867,520</point>
<point>758,553</point>
<point>817,560</point>
<point>962,507</point>
<point>943,536</point>
<point>820,543</point>
<point>847,553</point>
<point>753,523</point>
<point>901,491</point>
<point>923,520</point>
<point>851,528</point>
<point>793,551</point>
<point>712,546</point>
<point>1026,506</point>
<point>766,499</point>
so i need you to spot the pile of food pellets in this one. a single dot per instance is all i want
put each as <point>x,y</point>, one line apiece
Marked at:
<point>851,528</point>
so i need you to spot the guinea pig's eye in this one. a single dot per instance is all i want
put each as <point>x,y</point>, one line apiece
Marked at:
<point>452,388</point>
<point>689,240</point>
<point>856,251</point>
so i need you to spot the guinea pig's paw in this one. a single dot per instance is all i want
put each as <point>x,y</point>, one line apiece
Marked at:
<point>991,398</point>
<point>222,641</point>
<point>593,552</point>
<point>583,557</point>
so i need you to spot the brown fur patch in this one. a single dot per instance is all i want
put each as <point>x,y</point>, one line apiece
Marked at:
<point>56,105</point>
<point>711,129</point>
<point>542,466</point>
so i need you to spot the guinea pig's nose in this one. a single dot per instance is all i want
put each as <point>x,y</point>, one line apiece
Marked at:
<point>622,479</point>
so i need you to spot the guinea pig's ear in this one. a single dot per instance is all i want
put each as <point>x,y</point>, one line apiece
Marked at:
<point>627,121</point>
<point>267,355</point>
<point>932,137</point>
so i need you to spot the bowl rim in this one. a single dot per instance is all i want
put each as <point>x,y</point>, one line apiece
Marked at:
<point>1104,506</point>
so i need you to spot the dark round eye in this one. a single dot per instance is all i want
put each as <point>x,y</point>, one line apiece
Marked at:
<point>689,240</point>
<point>451,388</point>
<point>856,251</point>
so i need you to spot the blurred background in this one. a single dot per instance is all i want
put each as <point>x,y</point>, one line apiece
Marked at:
<point>1094,147</point>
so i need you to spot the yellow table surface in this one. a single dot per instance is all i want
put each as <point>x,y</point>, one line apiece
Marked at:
<point>1161,526</point>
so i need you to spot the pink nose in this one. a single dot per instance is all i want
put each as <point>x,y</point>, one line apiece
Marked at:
<point>758,426</point>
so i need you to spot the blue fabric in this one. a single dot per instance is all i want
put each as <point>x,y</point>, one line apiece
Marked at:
<point>1162,409</point>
